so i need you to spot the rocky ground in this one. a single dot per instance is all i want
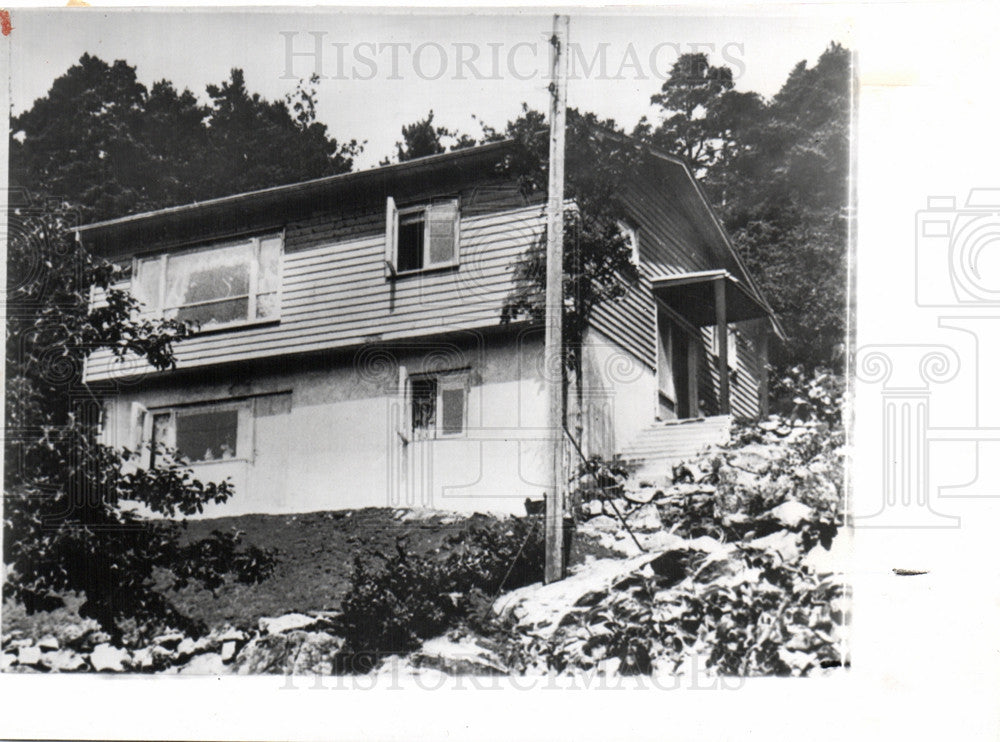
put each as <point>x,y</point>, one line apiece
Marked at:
<point>736,559</point>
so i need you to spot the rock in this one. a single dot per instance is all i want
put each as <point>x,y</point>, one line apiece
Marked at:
<point>660,541</point>
<point>144,657</point>
<point>28,655</point>
<point>791,513</point>
<point>797,661</point>
<point>204,664</point>
<point>643,495</point>
<point>64,660</point>
<point>462,657</point>
<point>169,641</point>
<point>186,648</point>
<point>228,651</point>
<point>48,642</point>
<point>232,635</point>
<point>7,660</point>
<point>541,608</point>
<point>709,545</point>
<point>293,652</point>
<point>108,658</point>
<point>687,489</point>
<point>602,524</point>
<point>646,518</point>
<point>833,561</point>
<point>783,543</point>
<point>594,507</point>
<point>288,622</point>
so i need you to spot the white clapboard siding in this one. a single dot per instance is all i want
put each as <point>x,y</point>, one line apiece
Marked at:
<point>335,293</point>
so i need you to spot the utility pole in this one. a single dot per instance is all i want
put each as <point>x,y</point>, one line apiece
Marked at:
<point>555,567</point>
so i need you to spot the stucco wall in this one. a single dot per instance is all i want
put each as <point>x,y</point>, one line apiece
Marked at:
<point>332,440</point>
<point>619,394</point>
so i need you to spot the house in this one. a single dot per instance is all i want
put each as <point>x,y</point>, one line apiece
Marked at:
<point>350,350</point>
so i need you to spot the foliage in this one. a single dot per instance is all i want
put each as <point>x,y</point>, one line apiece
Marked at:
<point>69,525</point>
<point>392,607</point>
<point>101,140</point>
<point>750,604</point>
<point>748,614</point>
<point>700,113</point>
<point>597,257</point>
<point>422,138</point>
<point>819,396</point>
<point>777,172</point>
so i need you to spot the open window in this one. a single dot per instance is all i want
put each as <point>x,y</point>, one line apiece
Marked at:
<point>221,285</point>
<point>439,405</point>
<point>419,238</point>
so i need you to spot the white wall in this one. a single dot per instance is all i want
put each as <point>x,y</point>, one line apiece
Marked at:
<point>336,444</point>
<point>619,394</point>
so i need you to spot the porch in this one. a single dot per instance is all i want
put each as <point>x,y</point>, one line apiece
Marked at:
<point>697,356</point>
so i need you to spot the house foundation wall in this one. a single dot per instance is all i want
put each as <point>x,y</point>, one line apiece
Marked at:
<point>334,435</point>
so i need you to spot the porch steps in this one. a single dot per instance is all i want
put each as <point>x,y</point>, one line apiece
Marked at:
<point>663,445</point>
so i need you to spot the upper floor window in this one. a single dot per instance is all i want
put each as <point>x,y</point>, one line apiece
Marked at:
<point>632,238</point>
<point>227,284</point>
<point>421,237</point>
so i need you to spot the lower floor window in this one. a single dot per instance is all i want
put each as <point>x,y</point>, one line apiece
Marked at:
<point>438,405</point>
<point>200,434</point>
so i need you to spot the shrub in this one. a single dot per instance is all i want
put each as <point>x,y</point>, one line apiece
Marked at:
<point>391,607</point>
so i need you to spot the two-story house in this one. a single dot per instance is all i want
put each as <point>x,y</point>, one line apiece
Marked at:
<point>349,349</point>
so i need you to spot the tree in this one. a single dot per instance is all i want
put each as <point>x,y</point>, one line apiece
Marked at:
<point>103,142</point>
<point>69,520</point>
<point>700,112</point>
<point>97,146</point>
<point>777,173</point>
<point>597,258</point>
<point>786,206</point>
<point>422,138</point>
<point>254,143</point>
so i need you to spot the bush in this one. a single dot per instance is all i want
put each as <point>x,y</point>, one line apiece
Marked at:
<point>391,608</point>
<point>749,615</point>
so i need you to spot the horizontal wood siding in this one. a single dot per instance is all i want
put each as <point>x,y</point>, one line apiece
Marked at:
<point>668,244</point>
<point>335,293</point>
<point>744,393</point>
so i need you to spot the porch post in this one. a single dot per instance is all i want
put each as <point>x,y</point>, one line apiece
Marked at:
<point>722,333</point>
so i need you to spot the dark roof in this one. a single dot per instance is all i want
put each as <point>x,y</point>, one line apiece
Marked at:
<point>468,159</point>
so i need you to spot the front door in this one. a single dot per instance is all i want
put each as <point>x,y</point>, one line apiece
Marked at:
<point>676,370</point>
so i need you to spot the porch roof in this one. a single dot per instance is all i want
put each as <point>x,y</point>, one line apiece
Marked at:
<point>692,296</point>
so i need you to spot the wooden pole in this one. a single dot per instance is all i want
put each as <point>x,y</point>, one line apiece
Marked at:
<point>555,568</point>
<point>722,333</point>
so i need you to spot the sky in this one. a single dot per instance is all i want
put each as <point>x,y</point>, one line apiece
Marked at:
<point>383,70</point>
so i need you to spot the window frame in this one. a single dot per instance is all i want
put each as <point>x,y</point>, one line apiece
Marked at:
<point>254,280</point>
<point>395,214</point>
<point>631,233</point>
<point>244,428</point>
<point>450,380</point>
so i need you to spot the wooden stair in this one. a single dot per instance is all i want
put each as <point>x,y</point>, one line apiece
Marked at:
<point>663,445</point>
